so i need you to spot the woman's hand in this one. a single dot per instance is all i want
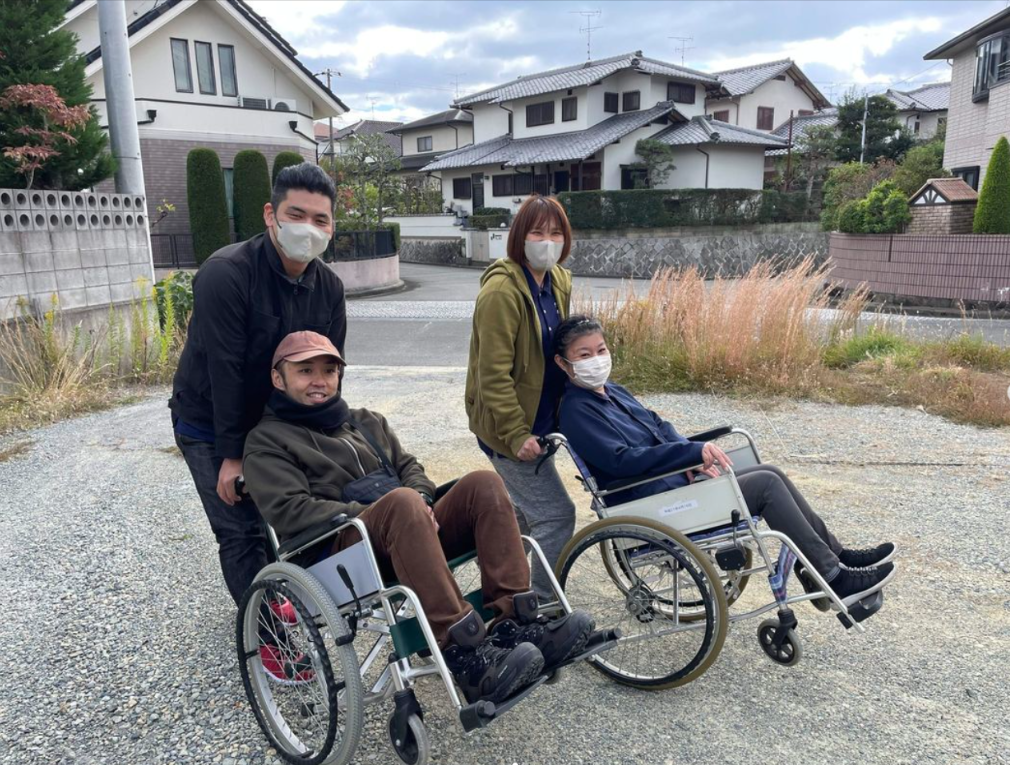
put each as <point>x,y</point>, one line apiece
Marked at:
<point>711,456</point>
<point>530,450</point>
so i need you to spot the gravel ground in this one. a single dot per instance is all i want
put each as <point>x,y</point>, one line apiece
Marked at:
<point>119,632</point>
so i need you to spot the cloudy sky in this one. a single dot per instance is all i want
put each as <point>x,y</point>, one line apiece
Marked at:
<point>403,60</point>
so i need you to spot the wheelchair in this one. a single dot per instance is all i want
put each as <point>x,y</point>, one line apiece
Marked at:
<point>345,639</point>
<point>664,570</point>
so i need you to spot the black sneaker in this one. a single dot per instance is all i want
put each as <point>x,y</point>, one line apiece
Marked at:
<point>868,556</point>
<point>809,586</point>
<point>852,585</point>
<point>485,671</point>
<point>557,639</point>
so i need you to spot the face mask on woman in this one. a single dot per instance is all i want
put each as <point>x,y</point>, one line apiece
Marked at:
<point>543,256</point>
<point>302,242</point>
<point>591,373</point>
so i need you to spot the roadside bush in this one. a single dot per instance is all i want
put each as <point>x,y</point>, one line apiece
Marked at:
<point>850,218</point>
<point>919,165</point>
<point>282,160</point>
<point>491,211</point>
<point>847,182</point>
<point>992,216</point>
<point>174,295</point>
<point>883,211</point>
<point>252,191</point>
<point>484,222</point>
<point>783,206</point>
<point>208,205</point>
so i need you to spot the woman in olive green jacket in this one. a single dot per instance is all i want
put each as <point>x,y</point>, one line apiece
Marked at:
<point>512,391</point>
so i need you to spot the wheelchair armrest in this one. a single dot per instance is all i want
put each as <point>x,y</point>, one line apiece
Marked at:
<point>442,490</point>
<point>312,533</point>
<point>711,435</point>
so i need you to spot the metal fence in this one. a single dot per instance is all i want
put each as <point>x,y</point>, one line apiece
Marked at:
<point>176,250</point>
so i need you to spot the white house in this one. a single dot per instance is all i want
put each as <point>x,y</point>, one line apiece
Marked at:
<point>211,74</point>
<point>430,136</point>
<point>979,105</point>
<point>576,128</point>
<point>762,96</point>
<point>343,137</point>
<point>922,111</point>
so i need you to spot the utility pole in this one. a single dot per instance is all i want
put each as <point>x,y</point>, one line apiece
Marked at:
<point>333,165</point>
<point>121,105</point>
<point>866,113</point>
<point>789,153</point>
<point>683,47</point>
<point>588,29</point>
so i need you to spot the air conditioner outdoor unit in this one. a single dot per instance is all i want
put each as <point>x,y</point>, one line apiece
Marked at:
<point>285,105</point>
<point>253,103</point>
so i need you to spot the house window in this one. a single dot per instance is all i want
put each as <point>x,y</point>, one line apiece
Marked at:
<point>226,61</point>
<point>592,174</point>
<point>522,184</point>
<point>461,188</point>
<point>968,174</point>
<point>680,93</point>
<point>180,63</point>
<point>780,77</point>
<point>541,184</point>
<point>766,118</point>
<point>569,109</point>
<point>634,177</point>
<point>610,103</point>
<point>722,115</point>
<point>631,101</point>
<point>916,128</point>
<point>424,143</point>
<point>501,185</point>
<point>229,190</point>
<point>540,114</point>
<point>992,64</point>
<point>205,68</point>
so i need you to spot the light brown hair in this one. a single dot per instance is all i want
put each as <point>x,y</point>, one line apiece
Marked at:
<point>537,211</point>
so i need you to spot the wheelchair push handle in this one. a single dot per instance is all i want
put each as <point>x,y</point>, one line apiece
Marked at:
<point>240,486</point>
<point>550,448</point>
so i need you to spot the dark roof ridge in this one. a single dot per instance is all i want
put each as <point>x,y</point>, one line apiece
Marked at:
<point>755,66</point>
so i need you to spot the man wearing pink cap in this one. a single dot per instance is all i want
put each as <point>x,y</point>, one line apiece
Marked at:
<point>304,463</point>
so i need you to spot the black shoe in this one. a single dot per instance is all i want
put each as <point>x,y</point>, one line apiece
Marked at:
<point>557,639</point>
<point>869,556</point>
<point>852,585</point>
<point>485,671</point>
<point>809,586</point>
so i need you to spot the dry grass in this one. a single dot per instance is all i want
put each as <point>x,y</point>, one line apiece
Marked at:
<point>756,335</point>
<point>15,450</point>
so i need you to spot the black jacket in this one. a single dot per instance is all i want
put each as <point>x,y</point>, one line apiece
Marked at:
<point>244,305</point>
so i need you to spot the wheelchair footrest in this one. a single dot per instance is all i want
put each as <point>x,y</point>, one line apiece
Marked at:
<point>599,641</point>
<point>862,610</point>
<point>481,713</point>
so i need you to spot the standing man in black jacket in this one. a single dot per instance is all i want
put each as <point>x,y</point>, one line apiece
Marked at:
<point>247,298</point>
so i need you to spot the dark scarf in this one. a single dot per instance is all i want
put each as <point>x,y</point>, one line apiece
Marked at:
<point>321,417</point>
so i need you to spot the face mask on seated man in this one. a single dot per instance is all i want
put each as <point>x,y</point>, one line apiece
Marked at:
<point>302,462</point>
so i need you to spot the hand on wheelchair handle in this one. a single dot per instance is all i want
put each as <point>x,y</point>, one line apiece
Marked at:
<point>240,488</point>
<point>713,457</point>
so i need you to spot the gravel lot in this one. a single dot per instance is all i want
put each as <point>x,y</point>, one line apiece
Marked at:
<point>119,631</point>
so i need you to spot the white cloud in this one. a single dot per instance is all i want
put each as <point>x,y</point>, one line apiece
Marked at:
<point>849,52</point>
<point>360,53</point>
<point>294,18</point>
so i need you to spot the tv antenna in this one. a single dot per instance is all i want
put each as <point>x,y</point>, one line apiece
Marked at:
<point>455,81</point>
<point>588,29</point>
<point>683,47</point>
<point>373,101</point>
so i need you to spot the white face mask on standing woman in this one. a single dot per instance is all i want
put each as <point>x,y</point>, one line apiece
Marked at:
<point>591,373</point>
<point>544,255</point>
<point>302,242</point>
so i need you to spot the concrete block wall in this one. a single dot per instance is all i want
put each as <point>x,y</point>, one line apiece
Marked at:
<point>87,249</point>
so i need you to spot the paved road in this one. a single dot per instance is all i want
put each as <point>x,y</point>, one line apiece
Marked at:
<point>428,323</point>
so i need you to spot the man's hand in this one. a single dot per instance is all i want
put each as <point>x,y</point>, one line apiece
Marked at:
<point>230,470</point>
<point>530,450</point>
<point>712,455</point>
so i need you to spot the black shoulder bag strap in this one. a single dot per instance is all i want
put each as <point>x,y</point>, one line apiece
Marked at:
<point>379,451</point>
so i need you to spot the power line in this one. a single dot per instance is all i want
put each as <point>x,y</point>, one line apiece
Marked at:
<point>588,29</point>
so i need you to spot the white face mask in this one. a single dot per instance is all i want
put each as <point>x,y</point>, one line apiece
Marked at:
<point>302,242</point>
<point>543,256</point>
<point>591,373</point>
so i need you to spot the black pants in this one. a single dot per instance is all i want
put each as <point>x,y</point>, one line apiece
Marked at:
<point>242,544</point>
<point>768,492</point>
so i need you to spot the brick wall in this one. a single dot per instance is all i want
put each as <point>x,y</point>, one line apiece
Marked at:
<point>935,220</point>
<point>974,268</point>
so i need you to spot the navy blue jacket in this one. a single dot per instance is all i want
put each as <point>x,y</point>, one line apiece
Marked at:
<point>618,439</point>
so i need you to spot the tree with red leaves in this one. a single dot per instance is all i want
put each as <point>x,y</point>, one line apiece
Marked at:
<point>55,117</point>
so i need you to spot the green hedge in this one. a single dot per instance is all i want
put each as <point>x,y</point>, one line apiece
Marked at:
<point>661,208</point>
<point>208,205</point>
<point>285,159</point>
<point>883,211</point>
<point>492,211</point>
<point>992,216</point>
<point>485,222</point>
<point>252,190</point>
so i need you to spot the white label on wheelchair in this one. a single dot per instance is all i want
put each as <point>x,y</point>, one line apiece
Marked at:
<point>679,507</point>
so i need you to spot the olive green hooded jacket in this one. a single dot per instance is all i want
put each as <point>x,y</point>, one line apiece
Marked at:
<point>506,370</point>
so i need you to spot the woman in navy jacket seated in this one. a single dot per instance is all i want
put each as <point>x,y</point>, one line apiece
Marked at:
<point>618,439</point>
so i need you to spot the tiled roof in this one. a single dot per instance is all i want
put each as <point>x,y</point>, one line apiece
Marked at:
<point>415,162</point>
<point>581,74</point>
<point>361,127</point>
<point>442,118</point>
<point>560,147</point>
<point>952,189</point>
<point>707,130</point>
<point>747,78</point>
<point>800,127</point>
<point>929,98</point>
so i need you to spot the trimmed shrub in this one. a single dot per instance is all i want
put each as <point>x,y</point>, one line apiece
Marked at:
<point>850,217</point>
<point>783,206</point>
<point>285,159</point>
<point>208,206</point>
<point>252,191</point>
<point>492,211</point>
<point>883,211</point>
<point>992,216</point>
<point>484,222</point>
<point>919,165</point>
<point>395,228</point>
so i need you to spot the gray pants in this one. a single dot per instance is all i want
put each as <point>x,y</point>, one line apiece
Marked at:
<point>767,491</point>
<point>543,508</point>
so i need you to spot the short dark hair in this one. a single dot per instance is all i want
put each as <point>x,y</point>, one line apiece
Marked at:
<point>573,328</point>
<point>536,211</point>
<point>306,177</point>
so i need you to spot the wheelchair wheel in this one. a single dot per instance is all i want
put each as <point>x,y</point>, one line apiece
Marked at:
<point>304,687</point>
<point>659,568</point>
<point>416,749</point>
<point>789,652</point>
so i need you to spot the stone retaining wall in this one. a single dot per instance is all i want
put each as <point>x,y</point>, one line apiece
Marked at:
<point>444,252</point>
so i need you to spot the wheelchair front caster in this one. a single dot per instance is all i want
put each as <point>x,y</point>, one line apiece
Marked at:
<point>415,747</point>
<point>782,645</point>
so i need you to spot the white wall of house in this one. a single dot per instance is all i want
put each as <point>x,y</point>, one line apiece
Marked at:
<point>426,226</point>
<point>443,138</point>
<point>489,122</point>
<point>581,122</point>
<point>782,96</point>
<point>622,153</point>
<point>84,24</point>
<point>928,122</point>
<point>729,167</point>
<point>728,105</point>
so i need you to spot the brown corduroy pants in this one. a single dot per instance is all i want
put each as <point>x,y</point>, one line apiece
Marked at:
<point>475,514</point>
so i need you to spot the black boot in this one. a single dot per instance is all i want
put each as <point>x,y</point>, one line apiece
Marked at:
<point>558,639</point>
<point>869,556</point>
<point>485,671</point>
<point>809,586</point>
<point>852,585</point>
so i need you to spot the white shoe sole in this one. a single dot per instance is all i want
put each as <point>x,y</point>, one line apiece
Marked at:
<point>852,599</point>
